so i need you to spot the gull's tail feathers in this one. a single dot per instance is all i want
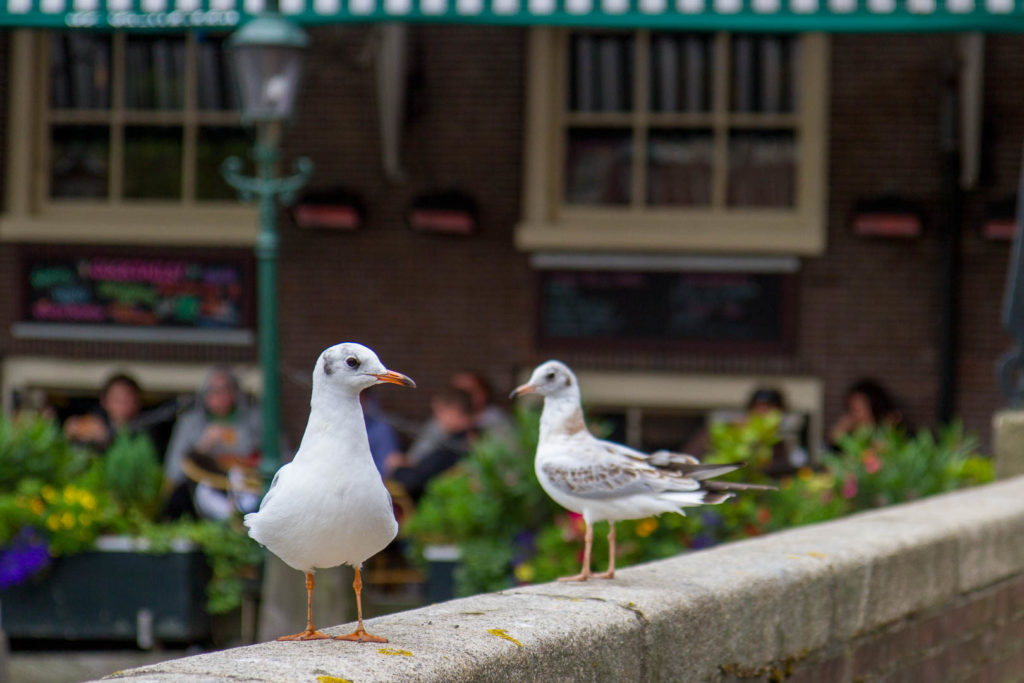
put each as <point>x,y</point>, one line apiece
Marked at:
<point>689,466</point>
<point>692,498</point>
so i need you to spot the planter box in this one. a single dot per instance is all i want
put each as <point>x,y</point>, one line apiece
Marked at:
<point>442,561</point>
<point>116,592</point>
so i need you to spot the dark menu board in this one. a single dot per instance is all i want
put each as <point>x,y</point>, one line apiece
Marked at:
<point>133,291</point>
<point>697,308</point>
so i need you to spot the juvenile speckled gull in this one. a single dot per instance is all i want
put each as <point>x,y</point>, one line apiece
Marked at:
<point>606,481</point>
<point>328,506</point>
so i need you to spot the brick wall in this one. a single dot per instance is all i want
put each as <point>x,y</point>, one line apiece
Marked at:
<point>976,637</point>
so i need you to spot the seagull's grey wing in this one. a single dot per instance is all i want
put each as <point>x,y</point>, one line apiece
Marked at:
<point>682,464</point>
<point>273,484</point>
<point>595,480</point>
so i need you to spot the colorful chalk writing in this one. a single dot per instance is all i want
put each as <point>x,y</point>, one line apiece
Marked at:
<point>139,291</point>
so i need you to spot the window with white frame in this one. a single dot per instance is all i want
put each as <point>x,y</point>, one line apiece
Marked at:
<point>669,139</point>
<point>123,128</point>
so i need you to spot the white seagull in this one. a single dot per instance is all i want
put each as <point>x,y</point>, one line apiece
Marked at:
<point>328,506</point>
<point>606,481</point>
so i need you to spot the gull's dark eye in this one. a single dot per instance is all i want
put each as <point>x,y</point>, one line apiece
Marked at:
<point>352,362</point>
<point>551,376</point>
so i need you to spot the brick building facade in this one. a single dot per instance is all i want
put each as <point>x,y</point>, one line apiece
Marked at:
<point>431,304</point>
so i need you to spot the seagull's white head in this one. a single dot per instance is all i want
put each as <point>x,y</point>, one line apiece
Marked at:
<point>352,367</point>
<point>550,379</point>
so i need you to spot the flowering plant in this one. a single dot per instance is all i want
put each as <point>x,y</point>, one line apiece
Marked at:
<point>56,500</point>
<point>509,531</point>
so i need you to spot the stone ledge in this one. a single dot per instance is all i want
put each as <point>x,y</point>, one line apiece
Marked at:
<point>740,606</point>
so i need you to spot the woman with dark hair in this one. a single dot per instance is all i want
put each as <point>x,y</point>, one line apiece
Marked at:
<point>119,406</point>
<point>868,404</point>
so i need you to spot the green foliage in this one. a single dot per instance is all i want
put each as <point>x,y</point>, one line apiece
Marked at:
<point>233,557</point>
<point>508,530</point>
<point>34,446</point>
<point>889,466</point>
<point>49,485</point>
<point>484,504</point>
<point>132,473</point>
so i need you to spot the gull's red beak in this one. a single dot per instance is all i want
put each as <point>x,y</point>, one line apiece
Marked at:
<point>398,378</point>
<point>522,390</point>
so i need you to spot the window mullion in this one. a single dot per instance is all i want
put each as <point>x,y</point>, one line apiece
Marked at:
<point>190,130</point>
<point>117,115</point>
<point>641,88</point>
<point>42,141</point>
<point>720,119</point>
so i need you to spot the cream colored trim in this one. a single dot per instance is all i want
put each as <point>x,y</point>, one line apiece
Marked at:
<point>141,223</point>
<point>22,372</point>
<point>547,225</point>
<point>629,389</point>
<point>20,128</point>
<point>747,232</point>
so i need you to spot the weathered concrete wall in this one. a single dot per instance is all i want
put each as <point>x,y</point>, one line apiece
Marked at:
<point>932,590</point>
<point>1008,442</point>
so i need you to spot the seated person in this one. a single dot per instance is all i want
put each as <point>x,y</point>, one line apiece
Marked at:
<point>382,436</point>
<point>120,405</point>
<point>868,404</point>
<point>453,413</point>
<point>488,417</point>
<point>211,460</point>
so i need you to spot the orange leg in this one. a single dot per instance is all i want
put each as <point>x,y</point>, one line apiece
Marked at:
<point>360,635</point>
<point>588,541</point>
<point>310,633</point>
<point>610,574</point>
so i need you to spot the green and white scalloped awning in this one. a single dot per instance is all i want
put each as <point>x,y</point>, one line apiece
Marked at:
<point>733,15</point>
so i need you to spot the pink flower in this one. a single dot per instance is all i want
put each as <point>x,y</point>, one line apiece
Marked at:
<point>871,463</point>
<point>849,486</point>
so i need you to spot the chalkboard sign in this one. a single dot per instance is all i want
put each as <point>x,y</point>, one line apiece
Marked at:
<point>189,293</point>
<point>745,311</point>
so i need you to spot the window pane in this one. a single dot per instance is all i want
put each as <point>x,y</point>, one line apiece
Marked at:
<point>601,72</point>
<point>154,72</point>
<point>762,168</point>
<point>681,72</point>
<point>598,163</point>
<point>763,74</point>
<point>79,161</point>
<point>217,89</point>
<point>679,167</point>
<point>152,162</point>
<point>216,145</point>
<point>80,71</point>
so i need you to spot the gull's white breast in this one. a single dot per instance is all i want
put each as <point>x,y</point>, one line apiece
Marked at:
<point>325,511</point>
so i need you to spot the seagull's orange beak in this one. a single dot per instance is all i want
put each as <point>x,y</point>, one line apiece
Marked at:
<point>522,390</point>
<point>398,378</point>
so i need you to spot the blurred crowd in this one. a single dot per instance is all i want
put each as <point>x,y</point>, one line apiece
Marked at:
<point>209,446</point>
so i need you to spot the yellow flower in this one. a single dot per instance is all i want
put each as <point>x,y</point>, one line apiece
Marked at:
<point>525,572</point>
<point>53,522</point>
<point>68,520</point>
<point>88,500</point>
<point>36,506</point>
<point>70,494</point>
<point>48,493</point>
<point>805,473</point>
<point>646,527</point>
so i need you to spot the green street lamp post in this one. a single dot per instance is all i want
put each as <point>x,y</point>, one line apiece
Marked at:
<point>267,57</point>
